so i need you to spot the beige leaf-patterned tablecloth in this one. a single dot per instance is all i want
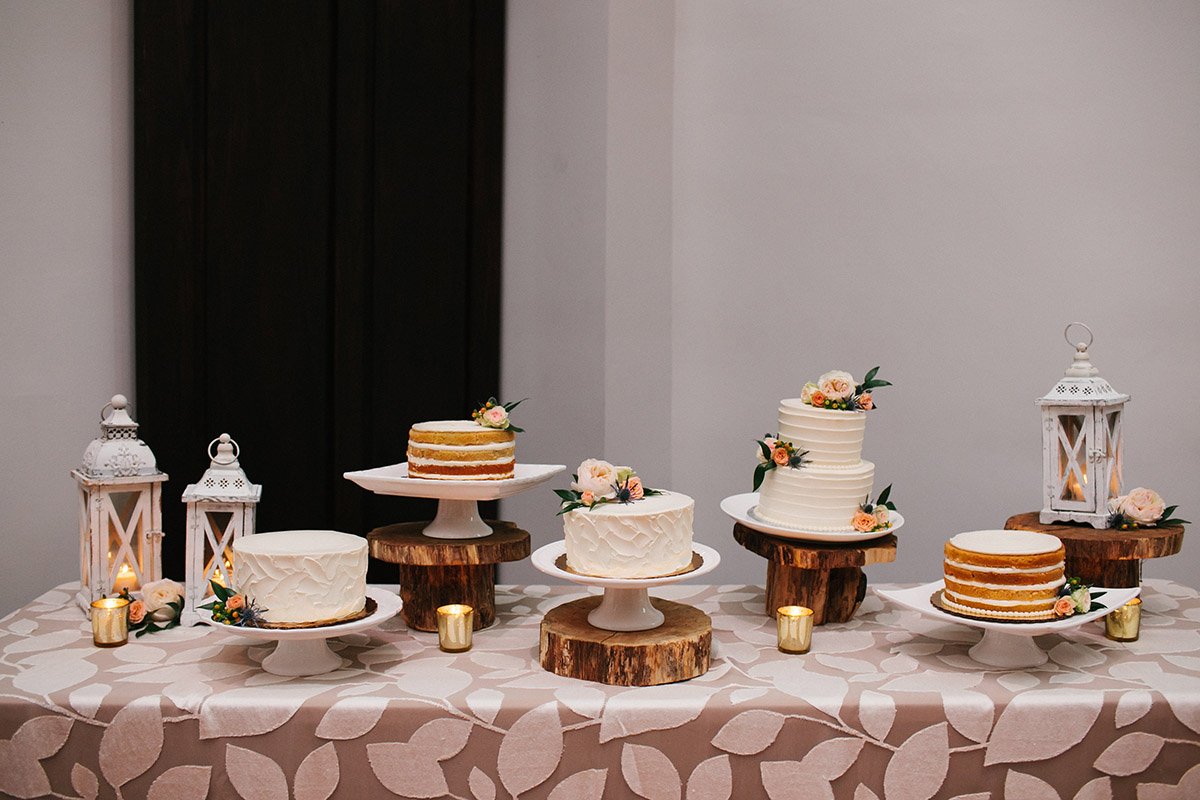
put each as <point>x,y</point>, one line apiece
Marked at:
<point>886,706</point>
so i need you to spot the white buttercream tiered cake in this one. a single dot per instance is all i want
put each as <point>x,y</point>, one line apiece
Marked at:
<point>834,481</point>
<point>302,577</point>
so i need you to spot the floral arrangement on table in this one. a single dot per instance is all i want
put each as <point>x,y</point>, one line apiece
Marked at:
<point>494,414</point>
<point>774,453</point>
<point>875,516</point>
<point>598,482</point>
<point>1075,597</point>
<point>157,609</point>
<point>837,390</point>
<point>1141,508</point>
<point>233,608</point>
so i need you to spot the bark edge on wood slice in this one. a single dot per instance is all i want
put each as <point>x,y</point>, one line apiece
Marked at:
<point>677,650</point>
<point>1105,556</point>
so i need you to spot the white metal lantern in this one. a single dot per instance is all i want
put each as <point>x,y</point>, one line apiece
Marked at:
<point>120,509</point>
<point>1081,442</point>
<point>220,510</point>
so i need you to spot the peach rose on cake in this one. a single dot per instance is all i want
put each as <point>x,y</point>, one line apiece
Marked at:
<point>836,384</point>
<point>865,402</point>
<point>587,498</point>
<point>157,594</point>
<point>634,485</point>
<point>780,456</point>
<point>817,399</point>
<point>234,602</point>
<point>1143,506</point>
<point>1064,607</point>
<point>595,476</point>
<point>494,417</point>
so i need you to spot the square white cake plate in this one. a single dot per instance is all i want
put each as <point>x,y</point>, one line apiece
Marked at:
<point>1007,644</point>
<point>458,501</point>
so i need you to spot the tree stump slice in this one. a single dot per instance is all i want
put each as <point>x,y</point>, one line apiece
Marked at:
<point>677,650</point>
<point>435,572</point>
<point>824,576</point>
<point>1105,557</point>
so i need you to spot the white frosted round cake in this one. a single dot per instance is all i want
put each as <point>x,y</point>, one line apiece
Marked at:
<point>827,491</point>
<point>460,450</point>
<point>645,538</point>
<point>302,577</point>
<point>1003,574</point>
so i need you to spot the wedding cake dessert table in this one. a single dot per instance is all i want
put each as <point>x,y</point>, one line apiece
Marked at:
<point>888,704</point>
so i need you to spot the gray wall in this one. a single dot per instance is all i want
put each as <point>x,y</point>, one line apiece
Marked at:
<point>707,204</point>
<point>66,297</point>
<point>934,187</point>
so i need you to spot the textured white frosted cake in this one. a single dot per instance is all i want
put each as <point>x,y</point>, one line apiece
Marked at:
<point>825,493</point>
<point>302,576</point>
<point>642,539</point>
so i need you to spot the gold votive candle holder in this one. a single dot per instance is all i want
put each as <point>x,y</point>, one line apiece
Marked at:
<point>454,627</point>
<point>110,621</point>
<point>1123,624</point>
<point>795,628</point>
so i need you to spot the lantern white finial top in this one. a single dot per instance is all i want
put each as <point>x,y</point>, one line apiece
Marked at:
<point>224,480</point>
<point>118,452</point>
<point>1082,384</point>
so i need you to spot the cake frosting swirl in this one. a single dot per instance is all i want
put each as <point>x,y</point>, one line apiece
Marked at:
<point>300,577</point>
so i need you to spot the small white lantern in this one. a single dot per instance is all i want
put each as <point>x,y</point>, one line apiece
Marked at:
<point>120,509</point>
<point>1081,443</point>
<point>220,510</point>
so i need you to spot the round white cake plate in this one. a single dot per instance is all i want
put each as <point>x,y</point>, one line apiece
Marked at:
<point>626,603</point>
<point>305,651</point>
<point>458,501</point>
<point>1007,644</point>
<point>741,508</point>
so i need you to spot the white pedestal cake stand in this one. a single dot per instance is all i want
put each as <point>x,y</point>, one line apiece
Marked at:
<point>305,651</point>
<point>458,501</point>
<point>626,603</point>
<point>1007,644</point>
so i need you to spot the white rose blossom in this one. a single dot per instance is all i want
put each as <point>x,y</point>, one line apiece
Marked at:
<point>157,594</point>
<point>597,477</point>
<point>1143,506</point>
<point>836,384</point>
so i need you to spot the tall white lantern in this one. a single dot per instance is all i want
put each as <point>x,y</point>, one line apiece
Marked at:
<point>1081,442</point>
<point>220,510</point>
<point>120,509</point>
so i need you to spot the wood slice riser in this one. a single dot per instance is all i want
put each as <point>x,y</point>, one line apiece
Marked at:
<point>677,650</point>
<point>834,595</point>
<point>423,589</point>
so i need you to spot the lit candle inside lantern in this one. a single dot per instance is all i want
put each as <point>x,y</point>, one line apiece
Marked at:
<point>1123,624</point>
<point>126,579</point>
<point>454,627</point>
<point>110,621</point>
<point>795,628</point>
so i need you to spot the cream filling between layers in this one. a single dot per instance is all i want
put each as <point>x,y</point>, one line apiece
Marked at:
<point>1005,570</point>
<point>1009,587</point>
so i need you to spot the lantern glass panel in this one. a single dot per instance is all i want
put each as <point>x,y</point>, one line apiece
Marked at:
<point>1113,452</point>
<point>125,541</point>
<point>215,537</point>
<point>85,542</point>
<point>1072,461</point>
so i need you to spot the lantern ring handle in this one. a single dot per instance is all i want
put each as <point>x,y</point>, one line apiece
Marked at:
<point>1081,345</point>
<point>237,451</point>
<point>109,405</point>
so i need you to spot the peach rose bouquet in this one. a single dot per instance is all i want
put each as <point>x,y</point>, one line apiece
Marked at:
<point>875,516</point>
<point>1141,508</point>
<point>837,391</point>
<point>157,609</point>
<point>598,482</point>
<point>773,453</point>
<point>494,414</point>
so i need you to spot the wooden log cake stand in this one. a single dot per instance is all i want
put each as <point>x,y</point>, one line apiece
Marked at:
<point>1105,557</point>
<point>436,572</point>
<point>677,650</point>
<point>824,576</point>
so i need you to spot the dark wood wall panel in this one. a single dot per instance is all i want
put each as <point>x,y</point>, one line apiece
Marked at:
<point>317,246</point>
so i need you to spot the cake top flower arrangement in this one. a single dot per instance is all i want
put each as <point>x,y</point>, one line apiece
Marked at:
<point>774,453</point>
<point>494,414</point>
<point>836,390</point>
<point>876,516</point>
<point>1141,508</point>
<point>598,482</point>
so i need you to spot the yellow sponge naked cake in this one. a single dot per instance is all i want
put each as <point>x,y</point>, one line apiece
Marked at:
<point>1003,574</point>
<point>460,450</point>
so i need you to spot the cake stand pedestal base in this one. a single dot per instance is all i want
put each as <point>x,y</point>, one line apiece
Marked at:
<point>676,650</point>
<point>824,576</point>
<point>1105,557</point>
<point>1008,650</point>
<point>436,572</point>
